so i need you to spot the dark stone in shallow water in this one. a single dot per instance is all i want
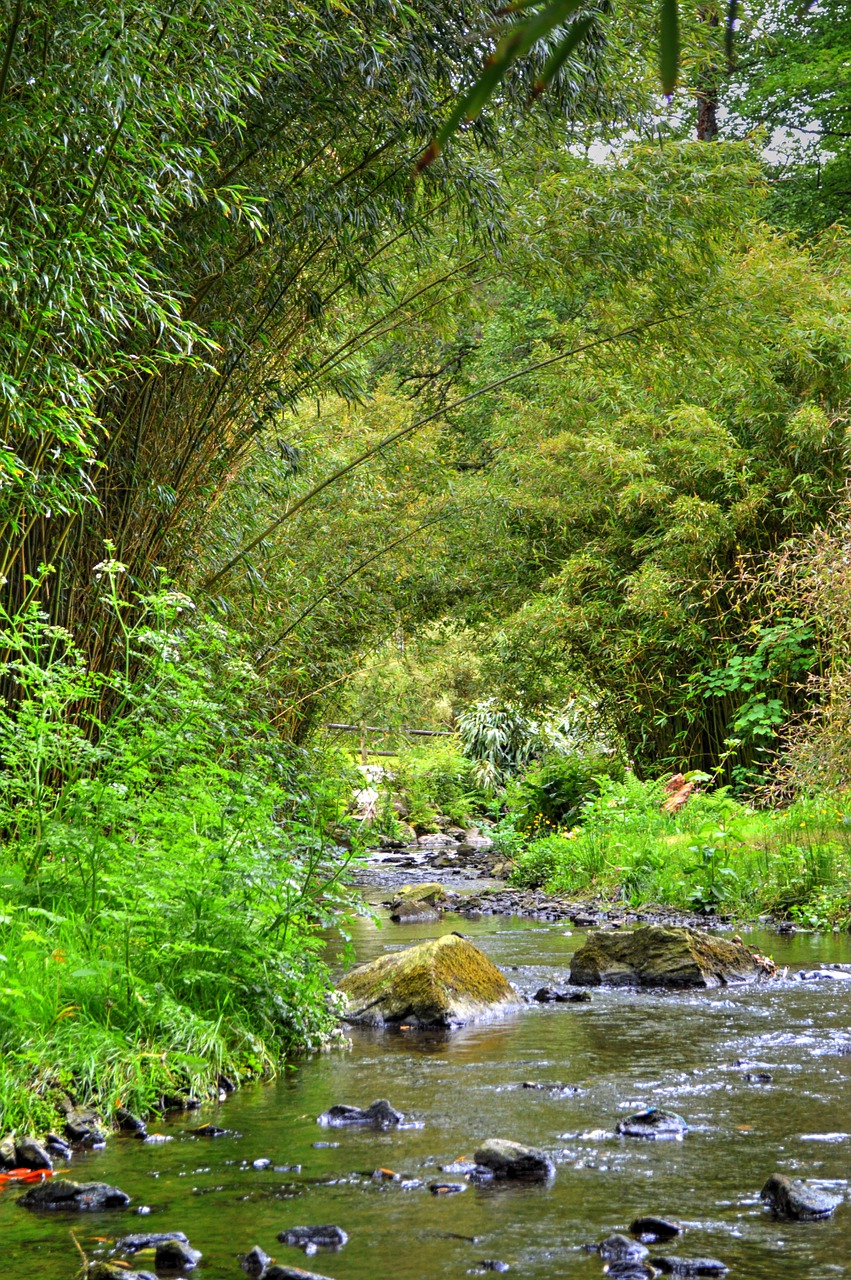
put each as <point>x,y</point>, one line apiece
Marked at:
<point>630,1271</point>
<point>795,1201</point>
<point>652,1123</point>
<point>84,1127</point>
<point>689,1266</point>
<point>62,1195</point>
<point>148,1240</point>
<point>255,1261</point>
<point>176,1255</point>
<point>57,1146</point>
<point>446,1188</point>
<point>548,995</point>
<point>380,1115</point>
<point>618,1248</point>
<point>210,1131</point>
<point>324,1237</point>
<point>651,1230</point>
<point>30,1154</point>
<point>128,1123</point>
<point>512,1160</point>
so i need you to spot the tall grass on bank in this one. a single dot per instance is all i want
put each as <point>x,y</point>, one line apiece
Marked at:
<point>715,855</point>
<point>163,872</point>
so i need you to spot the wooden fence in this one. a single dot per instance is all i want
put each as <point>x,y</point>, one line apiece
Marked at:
<point>363,731</point>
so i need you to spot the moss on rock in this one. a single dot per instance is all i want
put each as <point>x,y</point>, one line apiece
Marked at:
<point>446,982</point>
<point>665,957</point>
<point>432,893</point>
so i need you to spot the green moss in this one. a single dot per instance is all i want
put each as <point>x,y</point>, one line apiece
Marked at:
<point>671,957</point>
<point>444,982</point>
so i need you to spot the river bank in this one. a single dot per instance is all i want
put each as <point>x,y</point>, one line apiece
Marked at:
<point>477,879</point>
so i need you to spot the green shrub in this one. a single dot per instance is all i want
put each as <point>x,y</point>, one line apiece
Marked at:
<point>165,874</point>
<point>438,780</point>
<point>552,794</point>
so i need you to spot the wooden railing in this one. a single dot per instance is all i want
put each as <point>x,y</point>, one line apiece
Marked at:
<point>405,731</point>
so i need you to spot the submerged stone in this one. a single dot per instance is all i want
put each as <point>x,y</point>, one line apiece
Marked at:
<point>324,1237</point>
<point>255,1262</point>
<point>689,1266</point>
<point>650,1229</point>
<point>512,1160</point>
<point>793,1200</point>
<point>619,1248</point>
<point>406,912</point>
<point>443,983</point>
<point>176,1255</point>
<point>652,1123</point>
<point>665,957</point>
<point>148,1240</point>
<point>63,1195</point>
<point>380,1115</point>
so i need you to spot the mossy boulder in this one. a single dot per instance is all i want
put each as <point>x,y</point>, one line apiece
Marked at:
<point>415,903</point>
<point>665,957</point>
<point>443,983</point>
<point>432,894</point>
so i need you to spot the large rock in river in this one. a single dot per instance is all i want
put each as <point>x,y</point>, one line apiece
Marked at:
<point>443,983</point>
<point>61,1194</point>
<point>665,957</point>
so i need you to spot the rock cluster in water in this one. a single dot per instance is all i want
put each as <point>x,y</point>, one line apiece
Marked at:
<point>64,1196</point>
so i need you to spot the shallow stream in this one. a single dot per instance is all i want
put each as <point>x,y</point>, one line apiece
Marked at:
<point>623,1051</point>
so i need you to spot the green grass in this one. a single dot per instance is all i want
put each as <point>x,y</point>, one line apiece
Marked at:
<point>164,879</point>
<point>716,855</point>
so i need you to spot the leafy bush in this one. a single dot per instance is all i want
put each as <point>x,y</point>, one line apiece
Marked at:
<point>552,793</point>
<point>542,858</point>
<point>438,780</point>
<point>165,871</point>
<point>499,738</point>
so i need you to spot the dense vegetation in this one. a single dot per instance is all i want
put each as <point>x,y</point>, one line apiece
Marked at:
<point>543,442</point>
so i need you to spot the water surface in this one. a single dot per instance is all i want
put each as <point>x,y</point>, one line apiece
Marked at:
<point>623,1051</point>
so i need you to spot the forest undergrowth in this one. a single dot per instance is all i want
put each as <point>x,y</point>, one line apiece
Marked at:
<point>166,868</point>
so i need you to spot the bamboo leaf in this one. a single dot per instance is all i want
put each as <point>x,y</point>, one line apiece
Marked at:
<point>520,39</point>
<point>578,31</point>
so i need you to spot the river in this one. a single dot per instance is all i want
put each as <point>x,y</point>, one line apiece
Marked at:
<point>622,1051</point>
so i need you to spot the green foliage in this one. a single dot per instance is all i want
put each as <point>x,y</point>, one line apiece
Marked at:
<point>163,878</point>
<point>552,793</point>
<point>796,89</point>
<point>714,855</point>
<point>501,739</point>
<point>437,781</point>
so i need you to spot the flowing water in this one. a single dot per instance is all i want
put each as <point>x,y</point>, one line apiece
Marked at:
<point>623,1051</point>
